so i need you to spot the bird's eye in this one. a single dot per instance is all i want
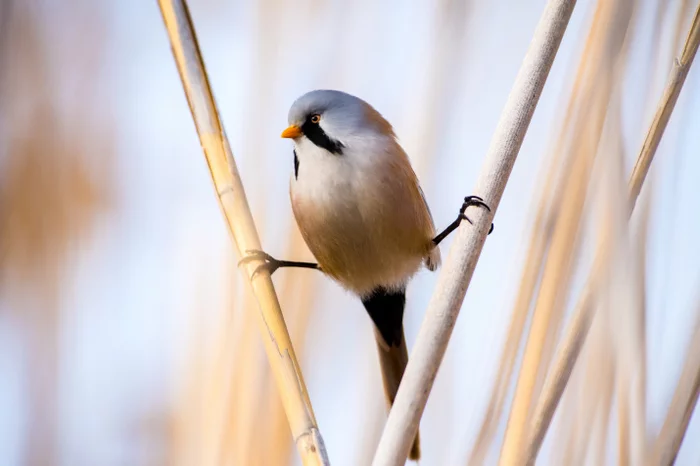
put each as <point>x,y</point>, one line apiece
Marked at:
<point>315,118</point>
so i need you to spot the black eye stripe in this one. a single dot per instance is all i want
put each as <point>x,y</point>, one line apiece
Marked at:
<point>315,133</point>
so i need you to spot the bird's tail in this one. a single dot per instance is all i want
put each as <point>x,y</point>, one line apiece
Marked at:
<point>393,360</point>
<point>386,310</point>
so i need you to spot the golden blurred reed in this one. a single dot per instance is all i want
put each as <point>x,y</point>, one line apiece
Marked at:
<point>55,161</point>
<point>227,410</point>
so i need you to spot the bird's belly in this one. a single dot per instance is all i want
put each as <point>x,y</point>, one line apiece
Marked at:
<point>359,250</point>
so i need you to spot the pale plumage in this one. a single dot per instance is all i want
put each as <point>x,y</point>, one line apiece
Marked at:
<point>361,212</point>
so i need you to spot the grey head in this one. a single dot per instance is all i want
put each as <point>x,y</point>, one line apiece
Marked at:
<point>332,120</point>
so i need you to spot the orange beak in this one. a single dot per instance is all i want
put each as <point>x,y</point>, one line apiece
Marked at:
<point>292,132</point>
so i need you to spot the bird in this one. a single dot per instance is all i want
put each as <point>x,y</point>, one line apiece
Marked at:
<point>363,215</point>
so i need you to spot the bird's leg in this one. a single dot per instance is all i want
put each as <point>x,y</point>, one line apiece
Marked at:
<point>468,201</point>
<point>271,264</point>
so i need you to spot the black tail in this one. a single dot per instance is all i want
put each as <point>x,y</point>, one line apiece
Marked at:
<point>386,310</point>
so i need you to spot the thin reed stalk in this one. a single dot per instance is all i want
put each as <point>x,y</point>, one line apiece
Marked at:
<point>580,323</point>
<point>666,446</point>
<point>588,400</point>
<point>680,70</point>
<point>234,204</point>
<point>454,279</point>
<point>625,307</point>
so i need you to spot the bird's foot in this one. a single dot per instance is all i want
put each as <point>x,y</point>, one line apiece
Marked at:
<point>468,201</point>
<point>270,264</point>
<point>475,201</point>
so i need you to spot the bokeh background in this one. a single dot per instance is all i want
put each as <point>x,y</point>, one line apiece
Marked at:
<point>126,331</point>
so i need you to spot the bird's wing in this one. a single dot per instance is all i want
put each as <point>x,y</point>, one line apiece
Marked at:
<point>432,261</point>
<point>427,207</point>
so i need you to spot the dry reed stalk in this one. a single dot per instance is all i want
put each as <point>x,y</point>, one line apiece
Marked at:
<point>665,447</point>
<point>555,281</point>
<point>269,442</point>
<point>550,301</point>
<point>453,281</point>
<point>630,376</point>
<point>601,434</point>
<point>591,390</point>
<point>580,323</point>
<point>229,412</point>
<point>591,395</point>
<point>298,290</point>
<point>232,408</point>
<point>604,374</point>
<point>684,9</point>
<point>660,14</point>
<point>235,207</point>
<point>589,398</point>
<point>564,363</point>
<point>625,303</point>
<point>259,434</point>
<point>548,206</point>
<point>668,101</point>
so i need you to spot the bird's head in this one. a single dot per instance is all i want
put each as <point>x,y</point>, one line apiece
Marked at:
<point>335,121</point>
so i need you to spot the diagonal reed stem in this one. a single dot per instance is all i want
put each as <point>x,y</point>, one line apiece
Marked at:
<point>676,79</point>
<point>454,279</point>
<point>668,443</point>
<point>234,205</point>
<point>583,315</point>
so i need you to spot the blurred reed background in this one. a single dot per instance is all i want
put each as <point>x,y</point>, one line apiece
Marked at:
<point>125,331</point>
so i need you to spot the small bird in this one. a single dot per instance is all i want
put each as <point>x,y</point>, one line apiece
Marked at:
<point>362,213</point>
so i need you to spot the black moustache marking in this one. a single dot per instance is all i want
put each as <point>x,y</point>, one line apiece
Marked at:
<point>296,165</point>
<point>315,133</point>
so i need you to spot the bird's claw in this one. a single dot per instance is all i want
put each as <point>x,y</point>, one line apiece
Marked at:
<point>475,201</point>
<point>269,263</point>
<point>463,216</point>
